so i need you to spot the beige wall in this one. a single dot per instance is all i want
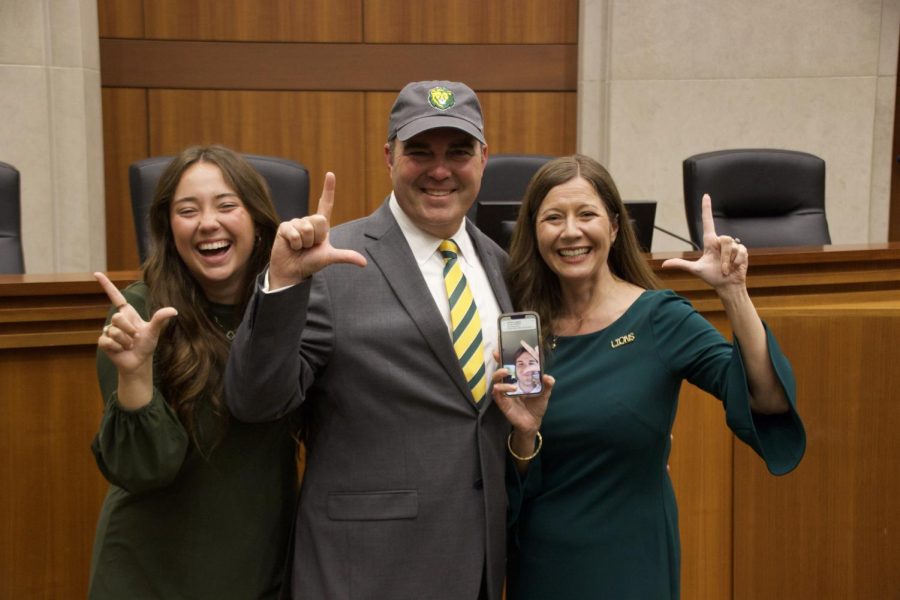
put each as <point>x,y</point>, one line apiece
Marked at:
<point>51,129</point>
<point>661,80</point>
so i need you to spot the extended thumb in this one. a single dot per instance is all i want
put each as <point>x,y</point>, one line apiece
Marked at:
<point>677,263</point>
<point>161,318</point>
<point>350,257</point>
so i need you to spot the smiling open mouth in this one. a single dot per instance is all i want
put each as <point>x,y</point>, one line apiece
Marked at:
<point>574,252</point>
<point>214,248</point>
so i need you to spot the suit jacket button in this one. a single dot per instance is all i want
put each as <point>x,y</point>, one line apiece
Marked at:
<point>479,484</point>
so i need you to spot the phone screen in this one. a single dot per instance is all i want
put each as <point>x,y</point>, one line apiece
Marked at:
<point>520,341</point>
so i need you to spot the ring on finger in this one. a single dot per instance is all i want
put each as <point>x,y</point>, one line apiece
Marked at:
<point>106,329</point>
<point>737,240</point>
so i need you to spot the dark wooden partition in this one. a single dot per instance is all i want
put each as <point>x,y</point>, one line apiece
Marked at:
<point>314,81</point>
<point>827,530</point>
<point>50,488</point>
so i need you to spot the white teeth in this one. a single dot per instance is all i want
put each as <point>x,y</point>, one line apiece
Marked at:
<point>575,252</point>
<point>438,192</point>
<point>213,245</point>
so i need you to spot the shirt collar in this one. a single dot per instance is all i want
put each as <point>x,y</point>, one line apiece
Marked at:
<point>422,243</point>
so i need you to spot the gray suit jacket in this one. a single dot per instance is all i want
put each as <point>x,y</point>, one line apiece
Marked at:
<point>403,495</point>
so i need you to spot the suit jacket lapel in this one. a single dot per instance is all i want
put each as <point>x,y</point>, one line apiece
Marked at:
<point>391,253</point>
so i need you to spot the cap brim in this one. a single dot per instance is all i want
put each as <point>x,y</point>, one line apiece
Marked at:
<point>436,122</point>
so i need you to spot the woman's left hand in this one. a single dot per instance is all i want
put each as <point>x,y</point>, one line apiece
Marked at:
<point>724,262</point>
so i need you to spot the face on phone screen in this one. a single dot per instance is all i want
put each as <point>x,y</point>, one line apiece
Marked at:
<point>520,352</point>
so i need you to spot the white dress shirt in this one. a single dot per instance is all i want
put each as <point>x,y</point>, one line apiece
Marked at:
<point>424,247</point>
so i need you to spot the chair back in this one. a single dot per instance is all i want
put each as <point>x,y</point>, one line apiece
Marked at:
<point>764,197</point>
<point>12,260</point>
<point>288,183</point>
<point>496,208</point>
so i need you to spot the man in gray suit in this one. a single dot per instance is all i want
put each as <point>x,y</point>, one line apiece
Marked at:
<point>403,495</point>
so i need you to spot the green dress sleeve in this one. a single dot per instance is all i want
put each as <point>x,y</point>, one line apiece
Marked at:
<point>692,347</point>
<point>143,449</point>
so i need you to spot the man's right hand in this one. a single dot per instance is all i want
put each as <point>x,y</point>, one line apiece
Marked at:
<point>302,247</point>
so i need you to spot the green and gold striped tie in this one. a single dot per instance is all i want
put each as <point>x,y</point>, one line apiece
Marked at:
<point>465,321</point>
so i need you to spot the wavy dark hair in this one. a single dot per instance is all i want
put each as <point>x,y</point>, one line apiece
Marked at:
<point>192,351</point>
<point>532,284</point>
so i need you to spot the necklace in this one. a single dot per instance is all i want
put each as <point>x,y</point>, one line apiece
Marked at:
<point>229,333</point>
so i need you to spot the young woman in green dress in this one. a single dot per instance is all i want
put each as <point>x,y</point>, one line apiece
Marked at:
<point>199,504</point>
<point>592,508</point>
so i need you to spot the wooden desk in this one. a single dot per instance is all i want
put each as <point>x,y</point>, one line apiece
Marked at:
<point>827,530</point>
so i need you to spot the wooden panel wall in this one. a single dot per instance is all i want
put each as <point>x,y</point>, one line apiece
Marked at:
<point>314,81</point>
<point>828,530</point>
<point>50,409</point>
<point>824,531</point>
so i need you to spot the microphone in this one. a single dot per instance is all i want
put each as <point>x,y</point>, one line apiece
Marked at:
<point>677,237</point>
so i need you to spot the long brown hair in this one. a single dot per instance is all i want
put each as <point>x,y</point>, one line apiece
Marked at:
<point>532,284</point>
<point>192,351</point>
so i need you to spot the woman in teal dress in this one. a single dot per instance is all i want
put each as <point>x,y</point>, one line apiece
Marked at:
<point>199,505</point>
<point>592,508</point>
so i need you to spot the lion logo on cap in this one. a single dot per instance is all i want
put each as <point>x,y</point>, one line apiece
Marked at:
<point>440,98</point>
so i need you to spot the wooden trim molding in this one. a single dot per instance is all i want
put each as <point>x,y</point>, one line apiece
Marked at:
<point>334,67</point>
<point>64,309</point>
<point>801,276</point>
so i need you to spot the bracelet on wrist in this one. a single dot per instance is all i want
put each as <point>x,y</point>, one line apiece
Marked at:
<point>537,447</point>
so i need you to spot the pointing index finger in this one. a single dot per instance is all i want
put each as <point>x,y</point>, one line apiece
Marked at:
<point>115,296</point>
<point>326,200</point>
<point>709,226</point>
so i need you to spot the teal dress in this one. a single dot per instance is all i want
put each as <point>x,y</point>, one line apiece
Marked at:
<point>182,521</point>
<point>595,514</point>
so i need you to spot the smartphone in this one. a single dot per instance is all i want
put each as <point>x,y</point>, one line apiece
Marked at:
<point>520,351</point>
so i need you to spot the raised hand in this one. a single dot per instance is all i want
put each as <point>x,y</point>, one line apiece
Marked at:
<point>129,341</point>
<point>302,248</point>
<point>724,262</point>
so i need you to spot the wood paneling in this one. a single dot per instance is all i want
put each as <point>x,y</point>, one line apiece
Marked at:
<point>828,530</point>
<point>700,467</point>
<point>529,122</point>
<point>284,66</point>
<point>856,275</point>
<point>320,130</point>
<point>49,411</point>
<point>471,21</point>
<point>255,20</point>
<point>120,18</point>
<point>279,77</point>
<point>52,490</point>
<point>385,21</point>
<point>823,531</point>
<point>125,137</point>
<point>377,178</point>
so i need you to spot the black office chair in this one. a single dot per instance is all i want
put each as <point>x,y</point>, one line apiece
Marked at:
<point>503,185</point>
<point>288,183</point>
<point>764,197</point>
<point>11,258</point>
